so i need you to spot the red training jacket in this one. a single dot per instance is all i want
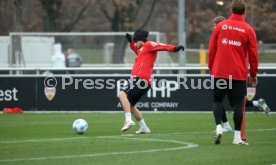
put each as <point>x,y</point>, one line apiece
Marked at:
<point>232,43</point>
<point>146,57</point>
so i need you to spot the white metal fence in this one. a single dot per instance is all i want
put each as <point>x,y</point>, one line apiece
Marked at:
<point>263,70</point>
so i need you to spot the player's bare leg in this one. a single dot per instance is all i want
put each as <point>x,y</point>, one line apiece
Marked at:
<point>127,110</point>
<point>124,102</point>
<point>138,116</point>
<point>136,113</point>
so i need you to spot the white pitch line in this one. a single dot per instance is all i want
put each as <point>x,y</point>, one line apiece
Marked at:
<point>184,145</point>
<point>265,129</point>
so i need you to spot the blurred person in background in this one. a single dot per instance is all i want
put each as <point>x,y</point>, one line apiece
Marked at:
<point>58,57</point>
<point>72,59</point>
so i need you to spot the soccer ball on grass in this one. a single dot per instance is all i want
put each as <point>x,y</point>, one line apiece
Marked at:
<point>80,126</point>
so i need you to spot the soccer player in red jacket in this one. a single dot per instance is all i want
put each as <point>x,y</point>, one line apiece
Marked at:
<point>140,82</point>
<point>232,42</point>
<point>260,103</point>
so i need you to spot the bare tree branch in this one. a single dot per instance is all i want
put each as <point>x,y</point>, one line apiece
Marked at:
<point>6,13</point>
<point>134,16</point>
<point>149,15</point>
<point>17,4</point>
<point>104,11</point>
<point>77,19</point>
<point>26,12</point>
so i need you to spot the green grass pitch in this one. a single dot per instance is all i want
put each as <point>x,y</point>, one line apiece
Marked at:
<point>176,138</point>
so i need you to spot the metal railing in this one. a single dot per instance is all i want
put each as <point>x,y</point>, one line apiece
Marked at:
<point>108,70</point>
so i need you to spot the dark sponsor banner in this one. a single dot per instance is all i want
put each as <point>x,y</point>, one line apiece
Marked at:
<point>18,92</point>
<point>92,93</point>
<point>81,94</point>
<point>100,93</point>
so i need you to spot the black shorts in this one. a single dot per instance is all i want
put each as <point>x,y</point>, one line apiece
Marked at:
<point>135,89</point>
<point>234,89</point>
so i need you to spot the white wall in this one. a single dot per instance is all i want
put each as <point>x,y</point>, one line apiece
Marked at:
<point>37,51</point>
<point>4,50</point>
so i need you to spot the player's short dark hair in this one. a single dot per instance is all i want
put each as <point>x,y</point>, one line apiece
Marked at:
<point>238,7</point>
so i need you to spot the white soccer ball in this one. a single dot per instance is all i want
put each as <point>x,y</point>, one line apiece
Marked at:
<point>80,126</point>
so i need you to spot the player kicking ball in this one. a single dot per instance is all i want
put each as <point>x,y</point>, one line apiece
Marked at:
<point>140,81</point>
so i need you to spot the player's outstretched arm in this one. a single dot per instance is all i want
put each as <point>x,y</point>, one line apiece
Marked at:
<point>178,48</point>
<point>130,40</point>
<point>128,37</point>
<point>155,46</point>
